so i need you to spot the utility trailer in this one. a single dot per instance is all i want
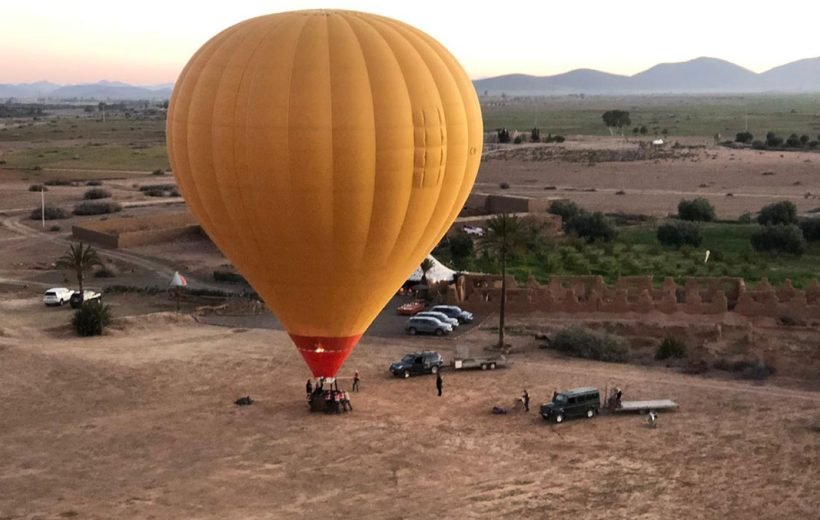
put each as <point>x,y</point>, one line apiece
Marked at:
<point>465,360</point>
<point>655,405</point>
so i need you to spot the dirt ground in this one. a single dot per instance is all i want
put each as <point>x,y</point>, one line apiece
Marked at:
<point>140,423</point>
<point>583,169</point>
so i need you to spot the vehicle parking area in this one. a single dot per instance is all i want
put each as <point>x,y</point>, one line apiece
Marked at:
<point>141,423</point>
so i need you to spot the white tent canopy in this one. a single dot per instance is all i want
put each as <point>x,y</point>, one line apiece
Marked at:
<point>438,273</point>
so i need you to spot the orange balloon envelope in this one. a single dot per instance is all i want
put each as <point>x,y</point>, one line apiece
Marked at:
<point>325,153</point>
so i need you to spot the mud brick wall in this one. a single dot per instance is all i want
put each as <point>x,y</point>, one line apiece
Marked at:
<point>638,294</point>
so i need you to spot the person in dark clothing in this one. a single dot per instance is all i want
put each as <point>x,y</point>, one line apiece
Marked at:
<point>308,387</point>
<point>439,383</point>
<point>356,381</point>
<point>526,399</point>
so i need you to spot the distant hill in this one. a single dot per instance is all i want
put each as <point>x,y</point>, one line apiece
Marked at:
<point>579,80</point>
<point>100,91</point>
<point>802,75</point>
<point>701,75</point>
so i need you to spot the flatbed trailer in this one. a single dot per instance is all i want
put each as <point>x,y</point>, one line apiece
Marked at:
<point>482,362</point>
<point>646,406</point>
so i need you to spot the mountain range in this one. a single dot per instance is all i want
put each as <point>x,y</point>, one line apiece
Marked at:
<point>100,91</point>
<point>701,75</point>
<point>698,76</point>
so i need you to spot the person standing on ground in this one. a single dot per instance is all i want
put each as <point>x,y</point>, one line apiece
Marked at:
<point>526,399</point>
<point>308,387</point>
<point>356,381</point>
<point>439,383</point>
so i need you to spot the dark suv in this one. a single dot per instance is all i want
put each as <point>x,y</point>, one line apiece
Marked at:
<point>417,363</point>
<point>577,402</point>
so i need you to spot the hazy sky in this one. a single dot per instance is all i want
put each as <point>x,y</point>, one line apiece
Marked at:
<point>149,41</point>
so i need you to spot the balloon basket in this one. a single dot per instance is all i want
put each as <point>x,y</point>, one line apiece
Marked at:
<point>333,402</point>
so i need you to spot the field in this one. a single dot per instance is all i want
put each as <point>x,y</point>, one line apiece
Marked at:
<point>681,115</point>
<point>73,142</point>
<point>140,423</point>
<point>636,251</point>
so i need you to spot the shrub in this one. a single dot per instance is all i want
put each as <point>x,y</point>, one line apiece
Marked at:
<point>758,371</point>
<point>93,183</point>
<point>96,208</point>
<point>779,239</point>
<point>96,193</point>
<point>744,137</point>
<point>106,271</point>
<point>123,289</point>
<point>811,229</point>
<point>160,190</point>
<point>745,218</point>
<point>504,185</point>
<point>163,187</point>
<point>590,344</point>
<point>790,321</point>
<point>58,182</point>
<point>671,348</point>
<point>773,140</point>
<point>679,233</point>
<point>698,209</point>
<point>228,276</point>
<point>783,212</point>
<point>51,213</point>
<point>54,228</point>
<point>91,319</point>
<point>158,172</point>
<point>794,141</point>
<point>592,226</point>
<point>37,187</point>
<point>518,140</point>
<point>566,209</point>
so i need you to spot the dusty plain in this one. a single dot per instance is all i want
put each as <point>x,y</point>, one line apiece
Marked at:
<point>140,423</point>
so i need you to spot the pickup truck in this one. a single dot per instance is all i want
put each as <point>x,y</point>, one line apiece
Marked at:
<point>87,295</point>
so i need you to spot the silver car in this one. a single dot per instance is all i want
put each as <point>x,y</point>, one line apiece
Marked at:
<point>454,312</point>
<point>440,316</point>
<point>427,325</point>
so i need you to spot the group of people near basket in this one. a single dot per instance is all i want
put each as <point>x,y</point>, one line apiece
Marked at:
<point>331,399</point>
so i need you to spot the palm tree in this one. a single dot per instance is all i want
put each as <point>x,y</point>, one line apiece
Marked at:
<point>504,237</point>
<point>426,265</point>
<point>80,258</point>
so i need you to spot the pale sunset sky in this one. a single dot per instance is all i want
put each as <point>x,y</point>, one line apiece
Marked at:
<point>149,41</point>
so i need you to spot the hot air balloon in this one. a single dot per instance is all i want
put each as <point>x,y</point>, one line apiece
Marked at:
<point>325,153</point>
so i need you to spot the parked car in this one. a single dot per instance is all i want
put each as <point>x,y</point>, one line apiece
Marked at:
<point>578,402</point>
<point>415,363</point>
<point>427,325</point>
<point>440,316</point>
<point>78,299</point>
<point>57,296</point>
<point>454,312</point>
<point>411,308</point>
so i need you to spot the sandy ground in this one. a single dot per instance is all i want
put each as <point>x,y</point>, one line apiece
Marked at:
<point>140,424</point>
<point>732,180</point>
